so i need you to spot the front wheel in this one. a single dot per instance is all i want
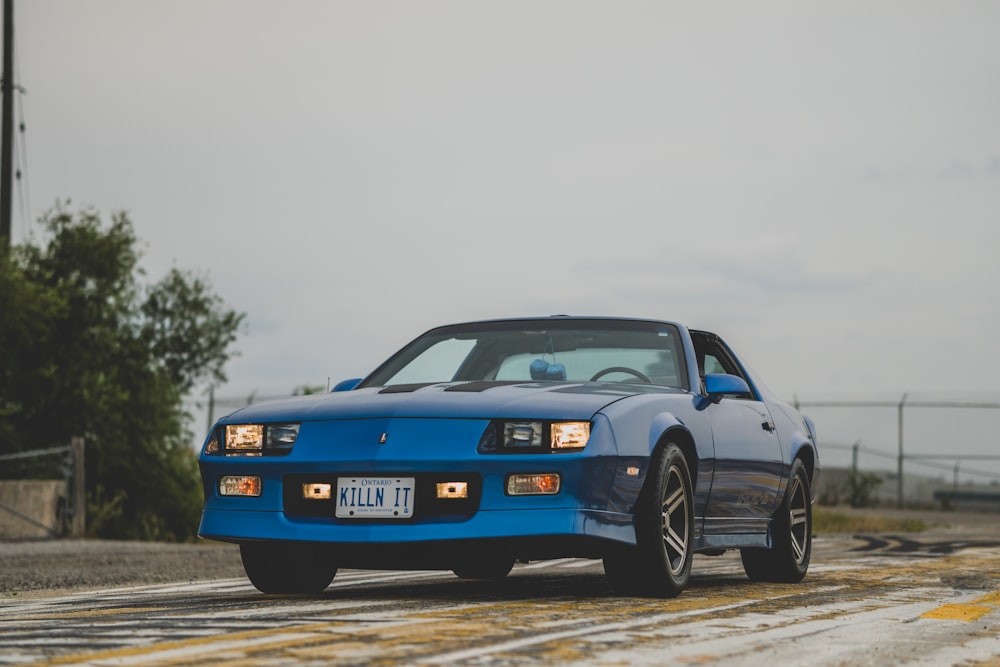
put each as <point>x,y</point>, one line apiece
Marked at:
<point>287,567</point>
<point>660,563</point>
<point>487,568</point>
<point>788,560</point>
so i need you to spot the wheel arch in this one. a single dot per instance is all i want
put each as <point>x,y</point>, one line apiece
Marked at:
<point>677,434</point>
<point>681,437</point>
<point>808,458</point>
<point>807,454</point>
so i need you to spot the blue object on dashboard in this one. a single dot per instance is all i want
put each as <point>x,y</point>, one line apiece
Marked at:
<point>539,368</point>
<point>555,372</point>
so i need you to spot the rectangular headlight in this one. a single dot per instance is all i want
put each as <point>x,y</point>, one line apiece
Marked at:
<point>570,435</point>
<point>522,434</point>
<point>255,439</point>
<point>533,437</point>
<point>245,437</point>
<point>281,436</point>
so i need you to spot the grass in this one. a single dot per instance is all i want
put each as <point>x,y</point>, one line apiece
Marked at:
<point>829,521</point>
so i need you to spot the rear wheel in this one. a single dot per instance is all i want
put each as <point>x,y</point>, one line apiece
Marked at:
<point>788,560</point>
<point>660,563</point>
<point>287,567</point>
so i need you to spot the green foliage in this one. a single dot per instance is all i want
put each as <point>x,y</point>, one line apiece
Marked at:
<point>86,349</point>
<point>861,488</point>
<point>308,390</point>
<point>828,521</point>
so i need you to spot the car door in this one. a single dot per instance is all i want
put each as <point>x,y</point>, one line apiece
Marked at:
<point>749,463</point>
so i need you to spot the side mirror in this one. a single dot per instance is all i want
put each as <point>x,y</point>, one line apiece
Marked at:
<point>346,385</point>
<point>718,385</point>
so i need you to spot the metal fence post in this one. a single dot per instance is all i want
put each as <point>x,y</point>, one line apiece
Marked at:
<point>899,476</point>
<point>79,526</point>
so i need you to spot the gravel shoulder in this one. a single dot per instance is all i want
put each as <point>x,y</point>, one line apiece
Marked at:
<point>55,565</point>
<point>66,565</point>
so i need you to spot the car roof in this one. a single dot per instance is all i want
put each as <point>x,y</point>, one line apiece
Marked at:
<point>568,318</point>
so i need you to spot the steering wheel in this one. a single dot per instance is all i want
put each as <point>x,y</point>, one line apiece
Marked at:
<point>621,369</point>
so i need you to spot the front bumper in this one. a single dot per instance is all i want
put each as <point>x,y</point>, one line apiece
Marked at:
<point>532,534</point>
<point>594,505</point>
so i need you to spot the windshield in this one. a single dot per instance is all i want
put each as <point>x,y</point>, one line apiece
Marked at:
<point>550,350</point>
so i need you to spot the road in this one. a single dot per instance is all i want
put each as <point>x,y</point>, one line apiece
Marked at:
<point>923,599</point>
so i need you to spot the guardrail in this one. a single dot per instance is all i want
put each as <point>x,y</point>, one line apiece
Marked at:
<point>906,401</point>
<point>69,503</point>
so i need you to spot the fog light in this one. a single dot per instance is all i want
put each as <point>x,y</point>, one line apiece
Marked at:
<point>453,490</point>
<point>239,485</point>
<point>533,485</point>
<point>316,491</point>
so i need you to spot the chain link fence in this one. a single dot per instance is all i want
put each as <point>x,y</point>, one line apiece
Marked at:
<point>42,493</point>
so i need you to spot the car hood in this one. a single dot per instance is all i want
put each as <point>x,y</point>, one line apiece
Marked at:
<point>463,400</point>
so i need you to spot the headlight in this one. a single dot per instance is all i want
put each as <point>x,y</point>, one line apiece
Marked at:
<point>244,438</point>
<point>253,439</point>
<point>523,436</point>
<point>570,435</point>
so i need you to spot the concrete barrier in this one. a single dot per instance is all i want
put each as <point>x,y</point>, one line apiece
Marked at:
<point>29,508</point>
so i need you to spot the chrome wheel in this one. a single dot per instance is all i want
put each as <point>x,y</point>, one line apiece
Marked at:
<point>674,520</point>
<point>659,564</point>
<point>798,520</point>
<point>788,559</point>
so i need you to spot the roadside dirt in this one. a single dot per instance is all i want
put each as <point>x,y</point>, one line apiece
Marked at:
<point>74,564</point>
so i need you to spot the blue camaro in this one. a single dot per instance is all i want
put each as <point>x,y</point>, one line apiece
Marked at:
<point>635,441</point>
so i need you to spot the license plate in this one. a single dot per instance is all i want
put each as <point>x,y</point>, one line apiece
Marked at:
<point>375,497</point>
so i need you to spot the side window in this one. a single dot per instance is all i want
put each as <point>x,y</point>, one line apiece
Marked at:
<point>713,358</point>
<point>712,365</point>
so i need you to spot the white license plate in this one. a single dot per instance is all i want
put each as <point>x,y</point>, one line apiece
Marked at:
<point>375,497</point>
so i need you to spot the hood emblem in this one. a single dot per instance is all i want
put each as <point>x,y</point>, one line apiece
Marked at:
<point>382,438</point>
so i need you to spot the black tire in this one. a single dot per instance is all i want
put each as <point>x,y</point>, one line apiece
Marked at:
<point>487,568</point>
<point>788,560</point>
<point>287,567</point>
<point>660,563</point>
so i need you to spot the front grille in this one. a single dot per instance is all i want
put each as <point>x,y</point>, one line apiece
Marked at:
<point>426,504</point>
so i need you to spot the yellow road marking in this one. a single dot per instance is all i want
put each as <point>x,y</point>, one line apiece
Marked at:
<point>958,612</point>
<point>186,643</point>
<point>969,611</point>
<point>503,627</point>
<point>91,613</point>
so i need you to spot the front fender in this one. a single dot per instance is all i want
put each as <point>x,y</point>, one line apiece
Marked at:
<point>636,448</point>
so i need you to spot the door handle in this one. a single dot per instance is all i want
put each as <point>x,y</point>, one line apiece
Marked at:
<point>768,426</point>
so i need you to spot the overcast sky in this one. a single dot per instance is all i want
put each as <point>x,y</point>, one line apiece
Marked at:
<point>819,183</point>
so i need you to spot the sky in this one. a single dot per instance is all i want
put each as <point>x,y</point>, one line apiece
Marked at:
<point>819,183</point>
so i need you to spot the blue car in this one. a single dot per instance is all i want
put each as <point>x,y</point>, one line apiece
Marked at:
<point>477,445</point>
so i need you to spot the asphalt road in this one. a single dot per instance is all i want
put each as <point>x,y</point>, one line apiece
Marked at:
<point>930,598</point>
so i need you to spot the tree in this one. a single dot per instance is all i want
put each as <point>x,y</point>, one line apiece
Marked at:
<point>87,349</point>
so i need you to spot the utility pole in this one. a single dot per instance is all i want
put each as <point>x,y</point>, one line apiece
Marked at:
<point>7,127</point>
<point>211,407</point>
